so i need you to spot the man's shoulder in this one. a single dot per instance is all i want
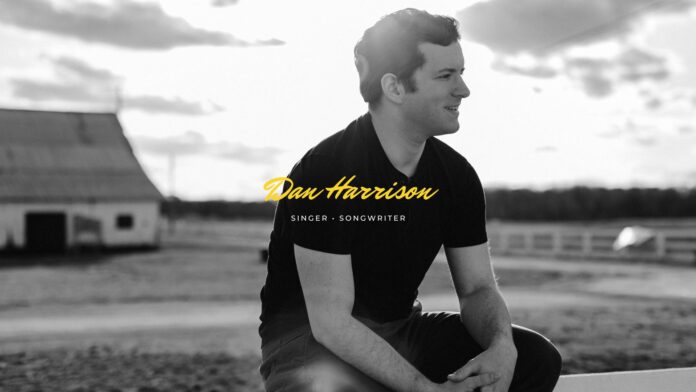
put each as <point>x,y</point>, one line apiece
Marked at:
<point>449,156</point>
<point>339,143</point>
<point>333,153</point>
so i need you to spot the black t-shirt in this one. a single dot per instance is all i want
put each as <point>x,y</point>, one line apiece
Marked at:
<point>392,242</point>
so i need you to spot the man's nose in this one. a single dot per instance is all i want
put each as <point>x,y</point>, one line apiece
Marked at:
<point>462,90</point>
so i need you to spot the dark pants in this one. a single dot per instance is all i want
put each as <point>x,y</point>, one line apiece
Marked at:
<point>435,343</point>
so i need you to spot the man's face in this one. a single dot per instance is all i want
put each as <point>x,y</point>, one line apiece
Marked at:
<point>434,107</point>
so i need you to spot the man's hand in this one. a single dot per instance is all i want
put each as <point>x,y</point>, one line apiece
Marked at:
<point>496,364</point>
<point>471,384</point>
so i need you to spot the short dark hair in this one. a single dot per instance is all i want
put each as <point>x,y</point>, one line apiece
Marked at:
<point>391,46</point>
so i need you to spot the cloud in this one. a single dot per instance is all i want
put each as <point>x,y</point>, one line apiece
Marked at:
<point>612,133</point>
<point>245,154</point>
<point>51,91</point>
<point>685,97</point>
<point>638,64</point>
<point>587,63</point>
<point>83,83</point>
<point>194,143</point>
<point>535,70</point>
<point>596,86</point>
<point>653,103</point>
<point>642,134</point>
<point>533,38</point>
<point>645,141</point>
<point>190,143</point>
<point>600,76</point>
<point>77,68</point>
<point>546,149</point>
<point>680,100</point>
<point>592,74</point>
<point>77,81</point>
<point>686,129</point>
<point>156,104</point>
<point>41,91</point>
<point>224,3</point>
<point>270,42</point>
<point>125,24</point>
<point>511,27</point>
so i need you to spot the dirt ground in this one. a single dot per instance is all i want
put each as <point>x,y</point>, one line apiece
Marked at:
<point>181,327</point>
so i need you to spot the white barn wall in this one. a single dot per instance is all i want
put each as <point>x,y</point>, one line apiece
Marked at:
<point>144,231</point>
<point>11,224</point>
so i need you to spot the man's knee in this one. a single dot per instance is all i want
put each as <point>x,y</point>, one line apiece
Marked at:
<point>330,376</point>
<point>304,365</point>
<point>325,372</point>
<point>321,376</point>
<point>538,361</point>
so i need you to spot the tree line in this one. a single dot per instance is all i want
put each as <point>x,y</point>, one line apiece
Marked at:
<point>576,204</point>
<point>585,203</point>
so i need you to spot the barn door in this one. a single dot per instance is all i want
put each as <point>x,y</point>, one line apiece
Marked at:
<point>45,232</point>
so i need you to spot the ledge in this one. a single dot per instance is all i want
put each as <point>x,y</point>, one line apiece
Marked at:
<point>662,380</point>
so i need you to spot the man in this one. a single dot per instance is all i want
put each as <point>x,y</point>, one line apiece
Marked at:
<point>339,304</point>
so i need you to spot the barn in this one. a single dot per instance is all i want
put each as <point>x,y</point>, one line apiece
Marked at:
<point>70,180</point>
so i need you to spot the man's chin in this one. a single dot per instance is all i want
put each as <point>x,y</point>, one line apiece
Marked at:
<point>449,130</point>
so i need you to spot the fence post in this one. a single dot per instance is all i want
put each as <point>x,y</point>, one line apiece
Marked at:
<point>528,242</point>
<point>660,245</point>
<point>557,245</point>
<point>586,243</point>
<point>503,241</point>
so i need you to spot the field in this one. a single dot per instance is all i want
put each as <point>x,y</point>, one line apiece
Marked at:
<point>184,318</point>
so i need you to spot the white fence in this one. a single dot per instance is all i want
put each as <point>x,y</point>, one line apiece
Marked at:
<point>673,244</point>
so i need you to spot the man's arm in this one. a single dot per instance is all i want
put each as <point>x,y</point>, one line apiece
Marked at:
<point>327,285</point>
<point>484,313</point>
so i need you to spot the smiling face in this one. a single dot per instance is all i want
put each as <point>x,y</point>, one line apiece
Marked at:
<point>433,108</point>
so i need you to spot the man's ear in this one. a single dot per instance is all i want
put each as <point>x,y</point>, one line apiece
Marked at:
<point>392,88</point>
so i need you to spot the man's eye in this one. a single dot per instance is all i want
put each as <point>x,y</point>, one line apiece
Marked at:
<point>446,76</point>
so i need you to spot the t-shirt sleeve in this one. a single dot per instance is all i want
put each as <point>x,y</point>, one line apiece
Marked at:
<point>467,223</point>
<point>315,224</point>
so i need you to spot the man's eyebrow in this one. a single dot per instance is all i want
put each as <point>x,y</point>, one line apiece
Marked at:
<point>453,70</point>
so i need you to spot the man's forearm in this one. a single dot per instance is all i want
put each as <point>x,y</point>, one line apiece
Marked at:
<point>486,317</point>
<point>359,346</point>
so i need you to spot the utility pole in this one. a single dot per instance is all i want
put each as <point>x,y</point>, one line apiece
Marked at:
<point>172,191</point>
<point>118,99</point>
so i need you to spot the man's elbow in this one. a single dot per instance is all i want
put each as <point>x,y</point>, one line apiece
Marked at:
<point>475,294</point>
<point>328,325</point>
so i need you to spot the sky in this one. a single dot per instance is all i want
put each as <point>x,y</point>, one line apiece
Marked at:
<point>219,96</point>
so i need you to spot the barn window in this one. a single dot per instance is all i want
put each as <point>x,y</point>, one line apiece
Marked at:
<point>124,221</point>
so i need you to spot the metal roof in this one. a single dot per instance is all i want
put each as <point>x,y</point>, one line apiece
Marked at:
<point>62,156</point>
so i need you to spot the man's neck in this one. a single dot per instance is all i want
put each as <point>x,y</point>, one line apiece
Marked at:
<point>402,144</point>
